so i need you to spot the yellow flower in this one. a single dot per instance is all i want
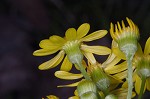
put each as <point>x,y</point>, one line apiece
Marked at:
<point>126,37</point>
<point>109,67</point>
<point>136,79</point>
<point>72,44</point>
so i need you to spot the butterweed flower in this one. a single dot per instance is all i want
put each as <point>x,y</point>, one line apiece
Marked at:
<point>142,64</point>
<point>126,37</point>
<point>72,44</point>
<point>110,67</point>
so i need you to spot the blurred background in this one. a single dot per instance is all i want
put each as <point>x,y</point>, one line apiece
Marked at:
<point>24,23</point>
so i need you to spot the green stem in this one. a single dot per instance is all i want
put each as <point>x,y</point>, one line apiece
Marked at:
<point>129,78</point>
<point>83,71</point>
<point>142,87</point>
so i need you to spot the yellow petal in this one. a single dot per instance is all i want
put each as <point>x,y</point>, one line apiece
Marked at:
<point>121,93</point>
<point>138,84</point>
<point>99,50</point>
<point>67,76</point>
<point>139,51</point>
<point>70,34</point>
<point>47,44</point>
<point>117,68</point>
<point>111,61</point>
<point>57,40</point>
<point>125,84</point>
<point>121,75</point>
<point>52,97</point>
<point>148,84</point>
<point>83,30</point>
<point>147,47</point>
<point>53,62</point>
<point>118,53</point>
<point>95,35</point>
<point>76,92</point>
<point>90,57</point>
<point>70,85</point>
<point>114,80</point>
<point>74,97</point>
<point>66,65</point>
<point>43,52</point>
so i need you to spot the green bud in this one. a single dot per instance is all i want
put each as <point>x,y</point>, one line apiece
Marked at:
<point>87,90</point>
<point>143,66</point>
<point>99,78</point>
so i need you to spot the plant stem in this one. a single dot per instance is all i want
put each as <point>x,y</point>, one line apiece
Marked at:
<point>83,71</point>
<point>142,87</point>
<point>130,72</point>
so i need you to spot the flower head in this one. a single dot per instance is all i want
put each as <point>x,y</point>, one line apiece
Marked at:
<point>126,37</point>
<point>72,45</point>
<point>141,67</point>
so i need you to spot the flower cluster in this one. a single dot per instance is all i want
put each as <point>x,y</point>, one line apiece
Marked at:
<point>125,73</point>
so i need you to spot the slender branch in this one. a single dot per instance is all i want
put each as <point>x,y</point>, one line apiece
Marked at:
<point>83,71</point>
<point>130,72</point>
<point>142,87</point>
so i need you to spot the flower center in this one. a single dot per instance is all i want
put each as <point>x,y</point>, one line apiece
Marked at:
<point>72,49</point>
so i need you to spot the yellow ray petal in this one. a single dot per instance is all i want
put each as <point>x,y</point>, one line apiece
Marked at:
<point>121,75</point>
<point>148,84</point>
<point>121,93</point>
<point>90,57</point>
<point>44,52</point>
<point>125,84</point>
<point>111,61</point>
<point>70,85</point>
<point>57,40</point>
<point>95,35</point>
<point>71,34</point>
<point>67,76</point>
<point>139,51</point>
<point>147,47</point>
<point>83,30</point>
<point>66,65</point>
<point>117,68</point>
<point>76,92</point>
<point>47,44</point>
<point>99,50</point>
<point>52,97</point>
<point>114,80</point>
<point>53,62</point>
<point>118,53</point>
<point>137,84</point>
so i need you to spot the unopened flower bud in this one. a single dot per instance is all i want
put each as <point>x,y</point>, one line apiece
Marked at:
<point>99,77</point>
<point>87,90</point>
<point>143,66</point>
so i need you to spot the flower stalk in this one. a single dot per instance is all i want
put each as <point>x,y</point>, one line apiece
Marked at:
<point>142,87</point>
<point>129,77</point>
